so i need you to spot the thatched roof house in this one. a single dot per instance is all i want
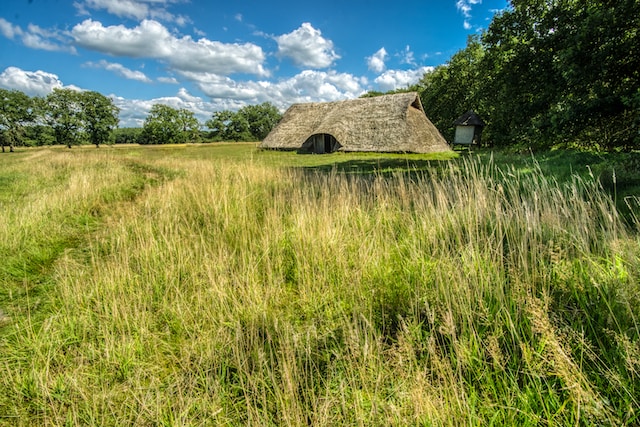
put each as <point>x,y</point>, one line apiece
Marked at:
<point>388,123</point>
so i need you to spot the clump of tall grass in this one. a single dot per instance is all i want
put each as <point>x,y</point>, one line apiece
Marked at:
<point>245,294</point>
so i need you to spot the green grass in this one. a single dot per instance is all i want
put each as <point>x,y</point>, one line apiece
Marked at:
<point>221,285</point>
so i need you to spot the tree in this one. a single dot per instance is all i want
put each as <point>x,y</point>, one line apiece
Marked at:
<point>599,61</point>
<point>565,72</point>
<point>38,134</point>
<point>127,135</point>
<point>250,123</point>
<point>548,72</point>
<point>16,111</point>
<point>167,125</point>
<point>100,117</point>
<point>238,129</point>
<point>261,119</point>
<point>64,113</point>
<point>190,127</point>
<point>219,124</point>
<point>452,89</point>
<point>523,80</point>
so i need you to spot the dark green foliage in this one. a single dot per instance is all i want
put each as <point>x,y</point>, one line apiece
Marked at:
<point>127,135</point>
<point>99,116</point>
<point>16,111</point>
<point>261,119</point>
<point>63,112</point>
<point>167,125</point>
<point>38,134</point>
<point>65,116</point>
<point>547,73</point>
<point>452,89</point>
<point>250,123</point>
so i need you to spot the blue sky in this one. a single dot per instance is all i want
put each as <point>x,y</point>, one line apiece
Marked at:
<point>209,56</point>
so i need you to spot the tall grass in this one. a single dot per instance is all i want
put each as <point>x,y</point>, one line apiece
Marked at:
<point>238,293</point>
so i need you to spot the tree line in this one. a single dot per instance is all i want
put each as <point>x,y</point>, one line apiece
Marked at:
<point>167,125</point>
<point>64,116</point>
<point>547,73</point>
<point>69,117</point>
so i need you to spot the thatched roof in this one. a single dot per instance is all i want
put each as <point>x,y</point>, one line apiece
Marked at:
<point>470,118</point>
<point>388,123</point>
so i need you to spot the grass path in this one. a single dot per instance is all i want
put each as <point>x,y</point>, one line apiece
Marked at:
<point>51,203</point>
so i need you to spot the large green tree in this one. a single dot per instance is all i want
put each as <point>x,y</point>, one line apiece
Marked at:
<point>64,113</point>
<point>127,135</point>
<point>219,124</point>
<point>99,117</point>
<point>190,126</point>
<point>261,119</point>
<point>599,61</point>
<point>67,115</point>
<point>250,123</point>
<point>569,71</point>
<point>16,111</point>
<point>548,72</point>
<point>168,125</point>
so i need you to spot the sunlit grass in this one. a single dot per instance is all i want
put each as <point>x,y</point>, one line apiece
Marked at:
<point>190,286</point>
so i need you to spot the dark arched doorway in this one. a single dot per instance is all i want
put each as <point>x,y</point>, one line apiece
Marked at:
<point>321,143</point>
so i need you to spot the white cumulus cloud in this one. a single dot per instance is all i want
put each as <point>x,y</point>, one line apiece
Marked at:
<point>134,9</point>
<point>396,79</point>
<point>408,56</point>
<point>133,112</point>
<point>121,8</point>
<point>307,48</point>
<point>151,39</point>
<point>8,29</point>
<point>187,97</point>
<point>35,37</point>
<point>376,62</point>
<point>306,86</point>
<point>168,80</point>
<point>33,83</point>
<point>120,70</point>
<point>465,6</point>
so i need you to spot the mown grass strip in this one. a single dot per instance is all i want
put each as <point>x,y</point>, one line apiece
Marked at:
<point>53,210</point>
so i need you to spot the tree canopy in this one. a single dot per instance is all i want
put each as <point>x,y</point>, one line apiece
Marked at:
<point>63,112</point>
<point>16,111</point>
<point>250,123</point>
<point>545,73</point>
<point>100,117</point>
<point>75,115</point>
<point>168,125</point>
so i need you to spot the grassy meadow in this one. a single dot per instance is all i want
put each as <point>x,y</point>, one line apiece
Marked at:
<point>222,285</point>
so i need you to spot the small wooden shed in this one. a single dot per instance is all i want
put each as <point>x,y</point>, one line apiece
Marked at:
<point>468,129</point>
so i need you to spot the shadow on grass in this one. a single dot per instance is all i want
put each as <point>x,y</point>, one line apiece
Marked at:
<point>379,166</point>
<point>617,173</point>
